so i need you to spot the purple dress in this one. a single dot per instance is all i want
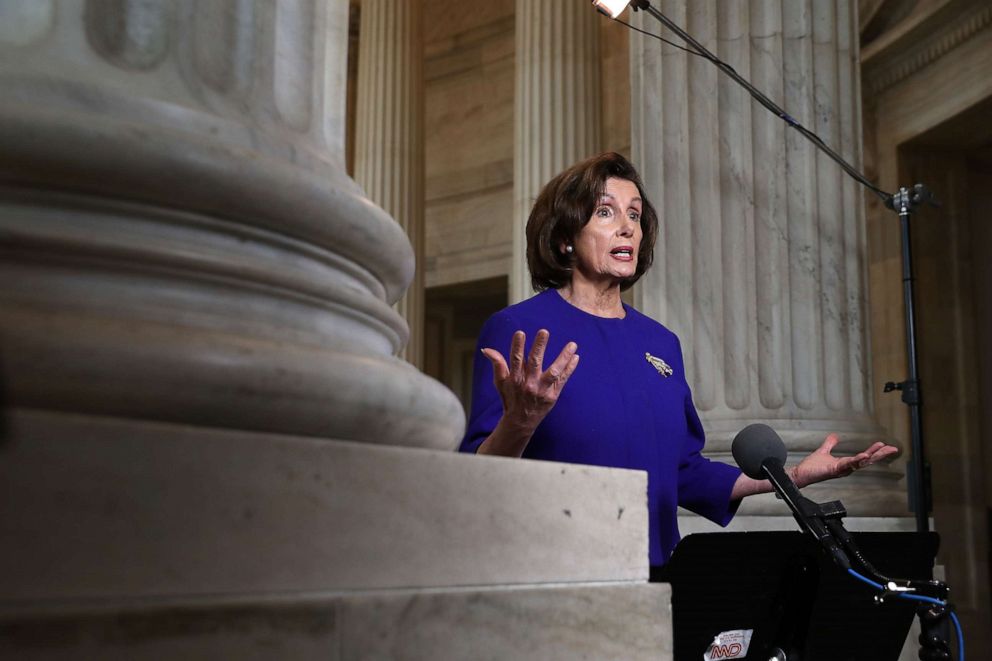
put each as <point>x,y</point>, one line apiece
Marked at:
<point>616,410</point>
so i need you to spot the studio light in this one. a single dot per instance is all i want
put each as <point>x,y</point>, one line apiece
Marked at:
<point>612,8</point>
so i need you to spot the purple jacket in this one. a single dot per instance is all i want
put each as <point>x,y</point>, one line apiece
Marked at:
<point>617,409</point>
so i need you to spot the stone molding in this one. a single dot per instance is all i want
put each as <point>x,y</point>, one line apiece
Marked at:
<point>136,160</point>
<point>883,71</point>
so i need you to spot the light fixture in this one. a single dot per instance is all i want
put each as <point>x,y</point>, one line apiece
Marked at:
<point>611,8</point>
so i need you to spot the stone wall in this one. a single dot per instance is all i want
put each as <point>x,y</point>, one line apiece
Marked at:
<point>469,74</point>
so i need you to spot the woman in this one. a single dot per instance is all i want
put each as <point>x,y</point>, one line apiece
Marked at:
<point>591,235</point>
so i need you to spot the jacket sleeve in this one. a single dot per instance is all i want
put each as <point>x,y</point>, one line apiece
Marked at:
<point>704,485</point>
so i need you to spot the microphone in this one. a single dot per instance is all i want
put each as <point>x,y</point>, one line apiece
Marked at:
<point>761,454</point>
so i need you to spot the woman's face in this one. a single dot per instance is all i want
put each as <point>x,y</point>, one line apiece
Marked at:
<point>606,248</point>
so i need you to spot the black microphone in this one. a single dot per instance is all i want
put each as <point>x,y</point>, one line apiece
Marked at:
<point>761,454</point>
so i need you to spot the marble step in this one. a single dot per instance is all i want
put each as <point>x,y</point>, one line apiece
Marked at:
<point>615,621</point>
<point>94,508</point>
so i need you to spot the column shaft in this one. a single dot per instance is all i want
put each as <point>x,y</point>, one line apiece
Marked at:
<point>556,122</point>
<point>760,262</point>
<point>179,239</point>
<point>389,152</point>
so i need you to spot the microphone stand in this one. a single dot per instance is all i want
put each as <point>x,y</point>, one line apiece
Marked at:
<point>934,617</point>
<point>935,625</point>
<point>810,516</point>
<point>903,203</point>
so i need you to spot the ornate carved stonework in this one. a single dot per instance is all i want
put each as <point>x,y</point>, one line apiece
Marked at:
<point>887,62</point>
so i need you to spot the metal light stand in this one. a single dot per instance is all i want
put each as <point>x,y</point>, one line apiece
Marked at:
<point>902,203</point>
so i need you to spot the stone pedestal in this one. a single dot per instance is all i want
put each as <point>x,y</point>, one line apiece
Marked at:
<point>137,540</point>
<point>760,263</point>
<point>389,153</point>
<point>133,510</point>
<point>556,122</point>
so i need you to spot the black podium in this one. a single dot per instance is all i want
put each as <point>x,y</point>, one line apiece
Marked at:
<point>783,587</point>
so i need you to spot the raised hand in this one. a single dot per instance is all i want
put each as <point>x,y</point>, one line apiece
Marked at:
<point>822,465</point>
<point>528,392</point>
<point>818,466</point>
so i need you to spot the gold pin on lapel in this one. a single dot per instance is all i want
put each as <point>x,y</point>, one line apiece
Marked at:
<point>663,368</point>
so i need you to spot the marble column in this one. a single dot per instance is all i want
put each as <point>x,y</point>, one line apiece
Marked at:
<point>556,120</point>
<point>389,154</point>
<point>760,264</point>
<point>180,240</point>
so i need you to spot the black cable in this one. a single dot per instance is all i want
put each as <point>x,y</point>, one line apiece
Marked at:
<point>659,38</point>
<point>758,95</point>
<point>840,533</point>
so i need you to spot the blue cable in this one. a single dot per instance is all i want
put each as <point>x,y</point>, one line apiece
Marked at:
<point>960,634</point>
<point>916,597</point>
<point>865,579</point>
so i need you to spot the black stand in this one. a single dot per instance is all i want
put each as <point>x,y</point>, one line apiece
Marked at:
<point>799,604</point>
<point>902,203</point>
<point>935,631</point>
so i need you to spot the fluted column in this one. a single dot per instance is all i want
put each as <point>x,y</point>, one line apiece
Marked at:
<point>760,263</point>
<point>389,152</point>
<point>556,121</point>
<point>179,240</point>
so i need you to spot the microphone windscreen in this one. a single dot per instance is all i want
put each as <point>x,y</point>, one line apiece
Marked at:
<point>753,445</point>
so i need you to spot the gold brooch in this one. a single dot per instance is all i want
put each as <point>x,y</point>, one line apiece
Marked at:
<point>663,368</point>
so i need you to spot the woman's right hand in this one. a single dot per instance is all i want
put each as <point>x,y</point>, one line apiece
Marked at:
<point>527,391</point>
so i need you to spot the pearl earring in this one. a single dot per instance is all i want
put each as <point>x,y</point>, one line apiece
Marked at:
<point>569,249</point>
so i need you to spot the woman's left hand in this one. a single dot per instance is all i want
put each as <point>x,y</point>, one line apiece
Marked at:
<point>822,465</point>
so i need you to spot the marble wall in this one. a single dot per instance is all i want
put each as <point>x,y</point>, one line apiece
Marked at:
<point>469,78</point>
<point>468,74</point>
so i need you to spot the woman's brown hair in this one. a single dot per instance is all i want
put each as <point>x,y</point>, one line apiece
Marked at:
<point>563,208</point>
